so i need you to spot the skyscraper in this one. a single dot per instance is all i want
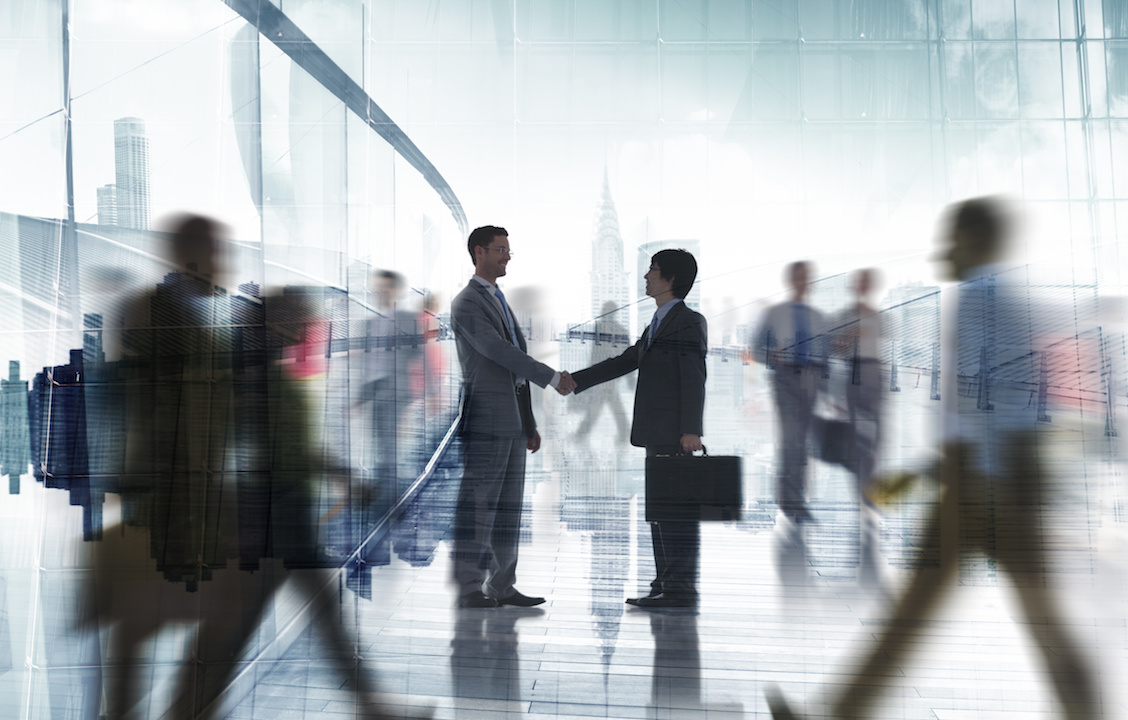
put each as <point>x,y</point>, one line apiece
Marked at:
<point>107,205</point>
<point>608,277</point>
<point>131,168</point>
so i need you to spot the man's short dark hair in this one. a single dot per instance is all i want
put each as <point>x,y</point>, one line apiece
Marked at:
<point>679,266</point>
<point>482,237</point>
<point>984,221</point>
<point>397,280</point>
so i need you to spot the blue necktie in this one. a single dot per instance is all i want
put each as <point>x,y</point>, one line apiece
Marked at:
<point>653,329</point>
<point>802,336</point>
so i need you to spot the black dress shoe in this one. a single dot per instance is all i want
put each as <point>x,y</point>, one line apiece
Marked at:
<point>476,599</point>
<point>665,600</point>
<point>519,600</point>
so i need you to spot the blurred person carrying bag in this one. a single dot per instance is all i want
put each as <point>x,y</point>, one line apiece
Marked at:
<point>693,487</point>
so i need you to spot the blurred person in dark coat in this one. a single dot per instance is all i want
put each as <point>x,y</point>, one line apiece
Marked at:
<point>222,463</point>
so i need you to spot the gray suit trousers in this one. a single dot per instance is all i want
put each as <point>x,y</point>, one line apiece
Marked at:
<point>796,389</point>
<point>487,519</point>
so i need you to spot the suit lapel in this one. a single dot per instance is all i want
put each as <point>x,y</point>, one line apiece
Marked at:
<point>492,303</point>
<point>666,324</point>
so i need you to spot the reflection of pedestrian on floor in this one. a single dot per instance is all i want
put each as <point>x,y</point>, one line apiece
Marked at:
<point>611,338</point>
<point>993,471</point>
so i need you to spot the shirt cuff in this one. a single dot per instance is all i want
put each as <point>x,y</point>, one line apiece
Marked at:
<point>555,380</point>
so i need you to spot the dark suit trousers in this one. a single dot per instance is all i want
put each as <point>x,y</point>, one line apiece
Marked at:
<point>676,545</point>
<point>487,519</point>
<point>796,389</point>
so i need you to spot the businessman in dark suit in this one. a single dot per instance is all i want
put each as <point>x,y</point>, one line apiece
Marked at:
<point>497,428</point>
<point>668,409</point>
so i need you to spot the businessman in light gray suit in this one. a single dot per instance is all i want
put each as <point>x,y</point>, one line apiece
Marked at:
<point>497,428</point>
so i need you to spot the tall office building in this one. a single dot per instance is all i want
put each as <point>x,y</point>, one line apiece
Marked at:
<point>608,277</point>
<point>131,167</point>
<point>645,252</point>
<point>107,205</point>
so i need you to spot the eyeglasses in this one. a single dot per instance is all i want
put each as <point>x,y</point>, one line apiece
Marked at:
<point>503,250</point>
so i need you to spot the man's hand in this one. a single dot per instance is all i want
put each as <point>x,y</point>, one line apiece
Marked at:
<point>689,443</point>
<point>567,385</point>
<point>534,442</point>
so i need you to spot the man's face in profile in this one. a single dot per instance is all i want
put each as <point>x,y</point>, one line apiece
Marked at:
<point>495,256</point>
<point>961,254</point>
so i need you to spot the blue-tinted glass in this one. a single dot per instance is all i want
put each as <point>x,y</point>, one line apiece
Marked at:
<point>684,95</point>
<point>820,20</point>
<point>992,20</point>
<point>1039,66</point>
<point>1115,19</point>
<point>1117,53</point>
<point>729,20</point>
<point>544,82</point>
<point>1043,157</point>
<point>959,80</point>
<point>996,80</point>
<point>773,82</point>
<point>1037,19</point>
<point>683,21</point>
<point>775,20</point>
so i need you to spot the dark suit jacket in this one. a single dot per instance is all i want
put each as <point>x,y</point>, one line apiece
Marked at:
<point>670,395</point>
<point>491,364</point>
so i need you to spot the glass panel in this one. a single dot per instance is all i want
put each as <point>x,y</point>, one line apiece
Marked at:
<point>683,92</point>
<point>1115,19</point>
<point>821,86</point>
<point>544,20</point>
<point>879,20</point>
<point>1119,132</point>
<point>956,19</point>
<point>996,80</point>
<point>997,146</point>
<point>597,21</point>
<point>683,21</point>
<point>775,20</point>
<point>1043,157</point>
<point>1097,78</point>
<point>544,80</point>
<point>1039,70</point>
<point>773,82</point>
<point>820,20</point>
<point>959,80</point>
<point>992,20</point>
<point>1118,79</point>
<point>1037,18</point>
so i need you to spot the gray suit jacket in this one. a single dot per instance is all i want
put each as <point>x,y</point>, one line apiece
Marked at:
<point>491,364</point>
<point>670,395</point>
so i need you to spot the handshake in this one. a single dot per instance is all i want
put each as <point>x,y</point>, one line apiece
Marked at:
<point>567,385</point>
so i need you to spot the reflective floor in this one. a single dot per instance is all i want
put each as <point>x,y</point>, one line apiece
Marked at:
<point>586,654</point>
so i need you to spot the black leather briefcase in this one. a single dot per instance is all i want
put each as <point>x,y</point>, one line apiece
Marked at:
<point>693,487</point>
